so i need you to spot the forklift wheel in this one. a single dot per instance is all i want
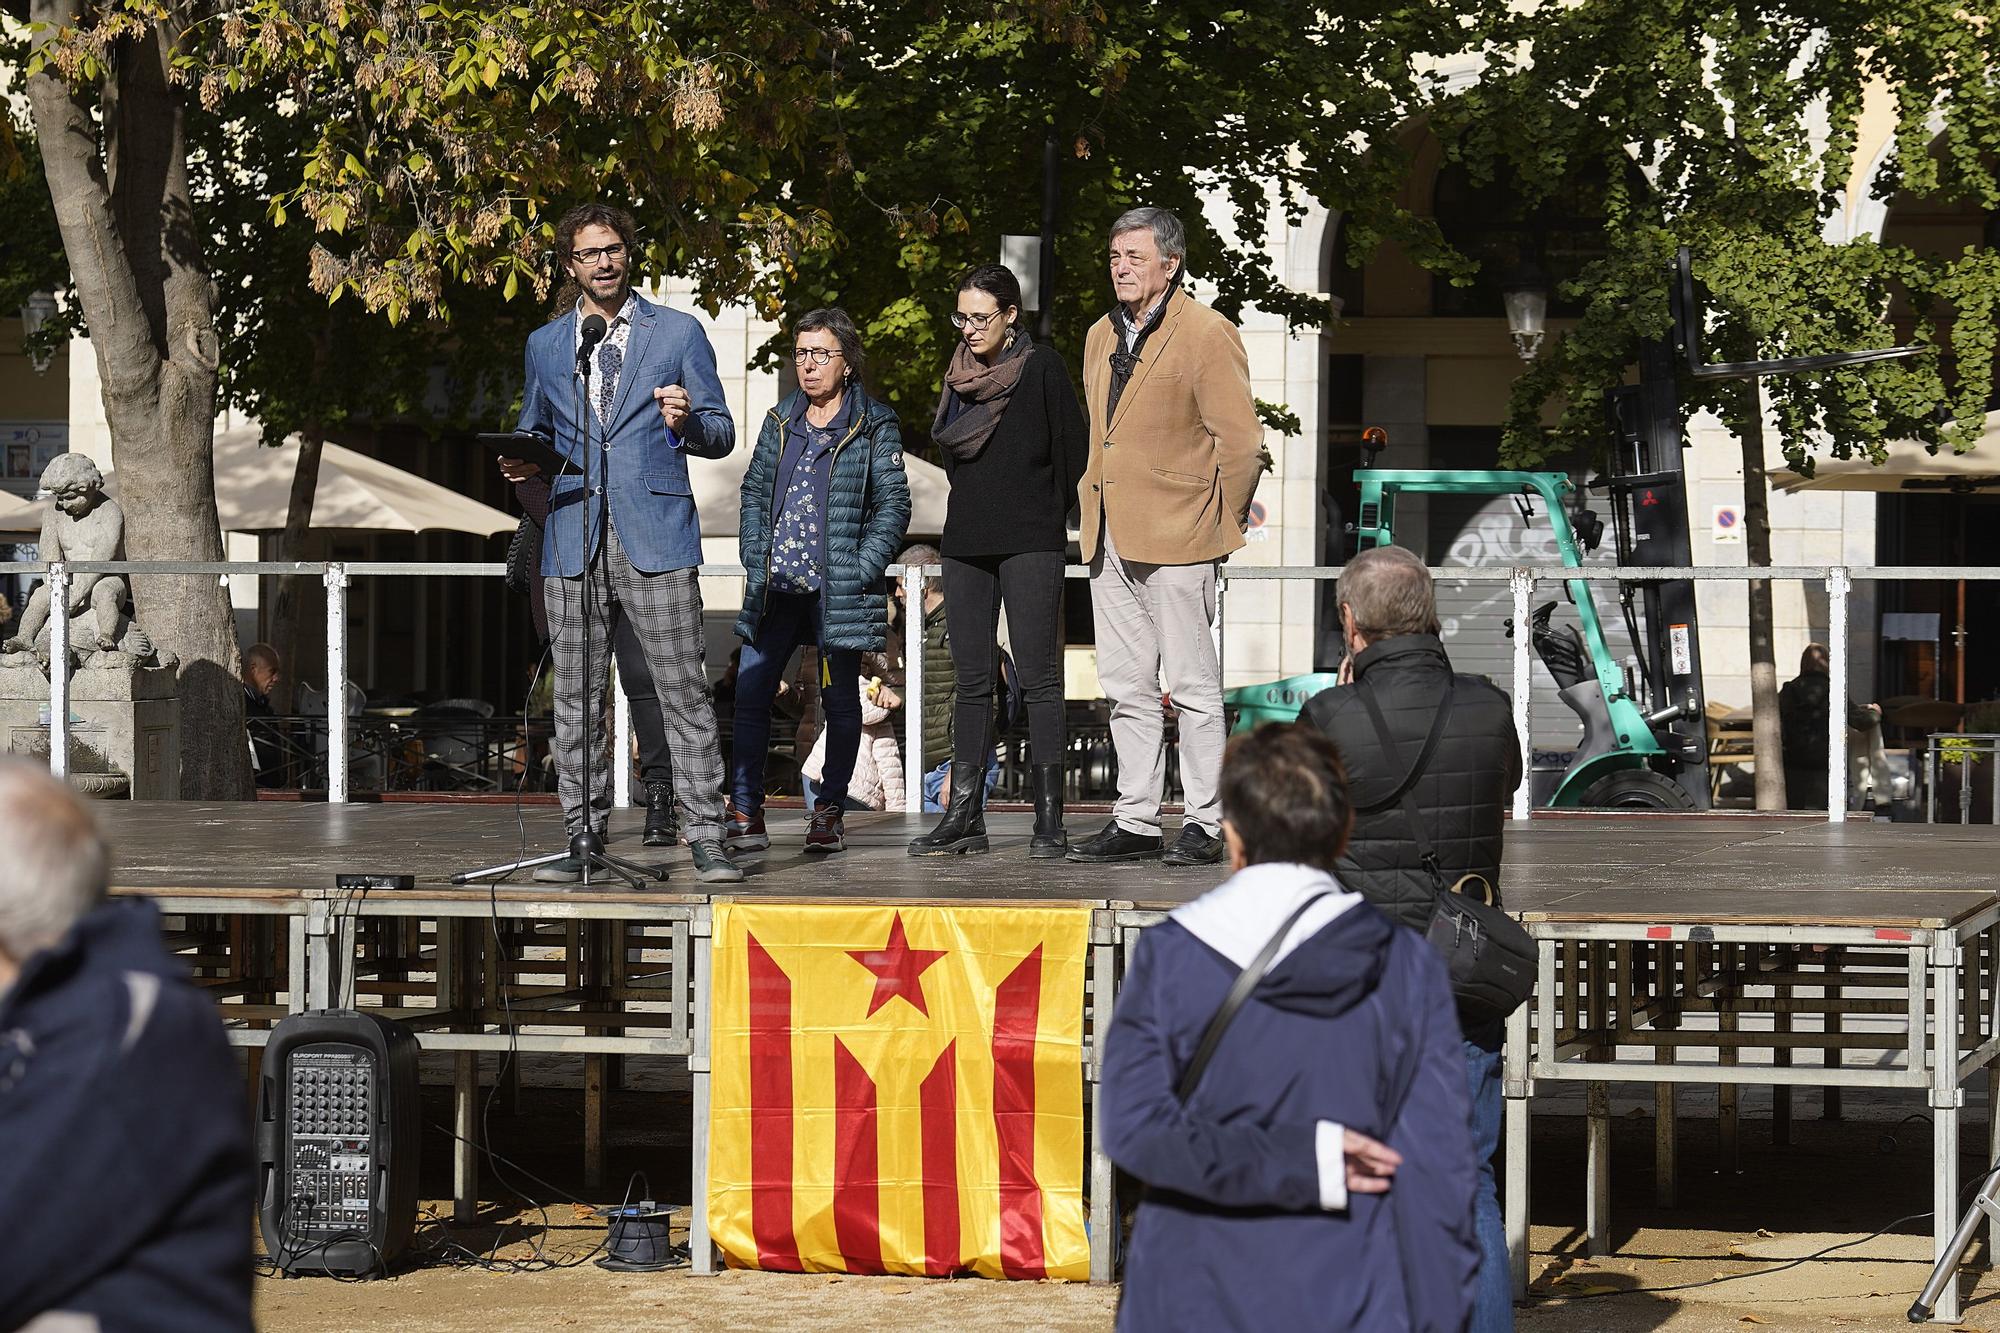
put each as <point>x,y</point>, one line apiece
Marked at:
<point>1636,789</point>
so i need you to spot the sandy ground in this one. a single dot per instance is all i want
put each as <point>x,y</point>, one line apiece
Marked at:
<point>1870,1291</point>
<point>1835,1182</point>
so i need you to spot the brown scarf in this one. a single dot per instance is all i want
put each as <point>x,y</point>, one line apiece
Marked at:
<point>984,390</point>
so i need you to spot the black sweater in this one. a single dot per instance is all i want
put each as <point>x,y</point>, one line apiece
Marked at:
<point>1017,494</point>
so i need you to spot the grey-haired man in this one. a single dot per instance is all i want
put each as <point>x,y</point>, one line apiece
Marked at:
<point>1174,439</point>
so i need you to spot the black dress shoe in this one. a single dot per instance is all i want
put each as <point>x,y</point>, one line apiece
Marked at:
<point>1115,844</point>
<point>1195,847</point>
<point>661,830</point>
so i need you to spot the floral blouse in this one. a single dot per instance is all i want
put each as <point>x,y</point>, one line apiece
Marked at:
<point>798,538</point>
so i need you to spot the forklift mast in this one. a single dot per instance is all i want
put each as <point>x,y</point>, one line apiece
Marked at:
<point>1649,509</point>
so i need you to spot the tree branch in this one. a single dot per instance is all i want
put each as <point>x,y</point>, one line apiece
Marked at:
<point>127,356</point>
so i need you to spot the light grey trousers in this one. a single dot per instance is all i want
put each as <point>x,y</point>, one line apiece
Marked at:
<point>1155,623</point>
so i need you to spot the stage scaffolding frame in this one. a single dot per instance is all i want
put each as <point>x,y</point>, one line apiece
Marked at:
<point>1893,1001</point>
<point>1585,1024</point>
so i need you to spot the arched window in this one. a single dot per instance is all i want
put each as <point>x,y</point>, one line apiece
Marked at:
<point>1491,224</point>
<point>1343,279</point>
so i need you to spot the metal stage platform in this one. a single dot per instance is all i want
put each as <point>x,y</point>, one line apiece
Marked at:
<point>1715,949</point>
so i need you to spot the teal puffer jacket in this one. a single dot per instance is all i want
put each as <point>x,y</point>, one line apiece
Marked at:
<point>867,513</point>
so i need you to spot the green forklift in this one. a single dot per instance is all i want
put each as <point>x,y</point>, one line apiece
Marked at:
<point>1645,730</point>
<point>1644,741</point>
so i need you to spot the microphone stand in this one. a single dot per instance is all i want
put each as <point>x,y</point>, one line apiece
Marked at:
<point>584,845</point>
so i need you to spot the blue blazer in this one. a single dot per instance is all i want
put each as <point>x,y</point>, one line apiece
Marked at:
<point>644,473</point>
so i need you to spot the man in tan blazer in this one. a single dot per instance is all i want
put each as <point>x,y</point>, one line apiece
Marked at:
<point>1174,441</point>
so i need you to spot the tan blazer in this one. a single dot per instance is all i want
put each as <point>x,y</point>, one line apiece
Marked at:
<point>1173,471</point>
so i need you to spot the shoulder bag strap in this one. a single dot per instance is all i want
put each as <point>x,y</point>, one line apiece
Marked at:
<point>1246,981</point>
<point>1409,782</point>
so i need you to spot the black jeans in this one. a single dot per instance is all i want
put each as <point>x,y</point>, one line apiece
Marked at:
<point>636,679</point>
<point>1031,584</point>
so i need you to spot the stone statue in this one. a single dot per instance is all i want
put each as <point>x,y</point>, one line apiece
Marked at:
<point>83,524</point>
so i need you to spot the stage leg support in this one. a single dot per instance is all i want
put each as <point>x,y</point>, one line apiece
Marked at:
<point>1517,1088</point>
<point>455,948</point>
<point>596,940</point>
<point>1597,1171</point>
<point>1102,1201</point>
<point>1666,1138</point>
<point>1682,976</point>
<point>1728,1095</point>
<point>701,1253</point>
<point>465,1148</point>
<point>1830,1108</point>
<point>594,1115</point>
<point>1945,1099</point>
<point>1781,1056</point>
<point>1987,1002</point>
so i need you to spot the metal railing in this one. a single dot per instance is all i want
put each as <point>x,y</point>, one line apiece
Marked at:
<point>1522,580</point>
<point>1966,750</point>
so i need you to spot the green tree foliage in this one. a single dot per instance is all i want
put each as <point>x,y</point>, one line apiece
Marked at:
<point>931,148</point>
<point>1744,119</point>
<point>438,141</point>
<point>31,253</point>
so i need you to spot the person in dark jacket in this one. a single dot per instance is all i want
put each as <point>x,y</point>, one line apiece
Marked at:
<point>1015,444</point>
<point>262,671</point>
<point>126,1186</point>
<point>1320,1173</point>
<point>1388,614</point>
<point>635,678</point>
<point>1805,706</point>
<point>824,507</point>
<point>939,681</point>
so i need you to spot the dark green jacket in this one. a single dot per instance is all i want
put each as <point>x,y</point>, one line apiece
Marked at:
<point>940,684</point>
<point>867,512</point>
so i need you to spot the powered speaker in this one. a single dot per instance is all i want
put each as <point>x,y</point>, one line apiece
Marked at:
<point>337,1134</point>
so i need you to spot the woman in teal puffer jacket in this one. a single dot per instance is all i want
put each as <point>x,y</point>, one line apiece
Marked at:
<point>824,508</point>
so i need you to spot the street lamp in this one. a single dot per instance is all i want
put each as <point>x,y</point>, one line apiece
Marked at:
<point>1526,296</point>
<point>39,310</point>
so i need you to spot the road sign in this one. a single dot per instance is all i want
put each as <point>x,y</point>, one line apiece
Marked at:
<point>1728,525</point>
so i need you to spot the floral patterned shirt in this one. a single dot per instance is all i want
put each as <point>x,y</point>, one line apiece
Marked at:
<point>798,537</point>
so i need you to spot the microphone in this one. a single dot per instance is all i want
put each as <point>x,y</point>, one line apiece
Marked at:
<point>592,333</point>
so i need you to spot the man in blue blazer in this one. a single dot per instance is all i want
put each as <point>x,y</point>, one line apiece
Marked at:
<point>630,545</point>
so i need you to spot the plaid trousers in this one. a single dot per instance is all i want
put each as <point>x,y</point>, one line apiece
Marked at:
<point>665,609</point>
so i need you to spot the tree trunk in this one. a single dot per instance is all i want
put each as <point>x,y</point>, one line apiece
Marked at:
<point>286,620</point>
<point>1767,739</point>
<point>134,249</point>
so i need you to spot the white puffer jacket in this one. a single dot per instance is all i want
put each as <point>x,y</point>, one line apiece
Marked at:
<point>878,765</point>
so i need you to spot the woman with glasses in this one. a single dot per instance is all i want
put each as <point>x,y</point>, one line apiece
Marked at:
<point>824,507</point>
<point>1014,443</point>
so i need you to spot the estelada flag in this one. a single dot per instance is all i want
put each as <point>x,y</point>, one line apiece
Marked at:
<point>898,1089</point>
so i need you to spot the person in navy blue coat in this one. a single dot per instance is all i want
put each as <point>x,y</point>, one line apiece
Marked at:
<point>126,1180</point>
<point>1321,1173</point>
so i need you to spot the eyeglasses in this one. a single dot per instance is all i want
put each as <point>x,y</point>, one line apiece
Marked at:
<point>819,356</point>
<point>977,323</point>
<point>597,252</point>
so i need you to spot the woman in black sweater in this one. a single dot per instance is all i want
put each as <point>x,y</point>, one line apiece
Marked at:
<point>1014,443</point>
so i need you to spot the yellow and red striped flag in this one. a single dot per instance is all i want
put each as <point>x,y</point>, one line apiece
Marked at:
<point>899,1089</point>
